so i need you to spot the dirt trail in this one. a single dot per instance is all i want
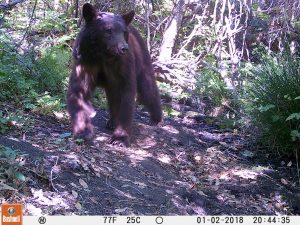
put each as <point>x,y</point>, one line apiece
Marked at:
<point>187,166</point>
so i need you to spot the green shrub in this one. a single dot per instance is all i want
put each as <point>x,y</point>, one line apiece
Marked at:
<point>9,120</point>
<point>4,122</point>
<point>11,170</point>
<point>47,104</point>
<point>26,77</point>
<point>210,85</point>
<point>15,69</point>
<point>51,71</point>
<point>274,96</point>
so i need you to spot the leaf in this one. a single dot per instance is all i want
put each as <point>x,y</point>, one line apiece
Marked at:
<point>194,179</point>
<point>293,116</point>
<point>74,185</point>
<point>171,112</point>
<point>121,210</point>
<point>201,193</point>
<point>93,199</point>
<point>284,181</point>
<point>247,153</point>
<point>83,184</point>
<point>266,108</point>
<point>75,194</point>
<point>98,174</point>
<point>77,174</point>
<point>65,135</point>
<point>223,143</point>
<point>79,141</point>
<point>109,169</point>
<point>6,187</point>
<point>20,176</point>
<point>10,153</point>
<point>78,206</point>
<point>64,38</point>
<point>295,134</point>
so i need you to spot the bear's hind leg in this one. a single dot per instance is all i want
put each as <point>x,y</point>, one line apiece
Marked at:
<point>150,98</point>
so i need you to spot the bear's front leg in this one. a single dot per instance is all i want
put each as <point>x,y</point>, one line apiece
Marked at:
<point>81,86</point>
<point>122,108</point>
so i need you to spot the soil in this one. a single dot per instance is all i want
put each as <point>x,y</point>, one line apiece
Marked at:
<point>187,166</point>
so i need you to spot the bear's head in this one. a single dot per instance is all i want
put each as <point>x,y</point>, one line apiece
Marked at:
<point>106,32</point>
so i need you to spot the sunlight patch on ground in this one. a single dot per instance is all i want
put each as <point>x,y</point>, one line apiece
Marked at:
<point>164,158</point>
<point>101,138</point>
<point>37,146</point>
<point>72,157</point>
<point>209,136</point>
<point>260,169</point>
<point>187,120</point>
<point>182,204</point>
<point>170,129</point>
<point>125,194</point>
<point>226,198</point>
<point>45,198</point>
<point>246,174</point>
<point>138,155</point>
<point>280,203</point>
<point>148,142</point>
<point>251,174</point>
<point>33,210</point>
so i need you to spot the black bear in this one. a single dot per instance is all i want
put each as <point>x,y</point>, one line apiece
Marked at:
<point>110,53</point>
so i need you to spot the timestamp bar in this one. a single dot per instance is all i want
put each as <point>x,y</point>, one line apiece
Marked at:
<point>161,220</point>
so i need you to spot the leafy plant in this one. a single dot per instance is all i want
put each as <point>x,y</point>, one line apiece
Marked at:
<point>99,99</point>
<point>47,104</point>
<point>9,120</point>
<point>273,95</point>
<point>11,168</point>
<point>170,112</point>
<point>209,84</point>
<point>34,82</point>
<point>51,71</point>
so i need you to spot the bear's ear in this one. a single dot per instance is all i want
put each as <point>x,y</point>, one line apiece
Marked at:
<point>128,17</point>
<point>89,12</point>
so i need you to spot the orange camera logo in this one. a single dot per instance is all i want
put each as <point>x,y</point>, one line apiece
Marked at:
<point>11,214</point>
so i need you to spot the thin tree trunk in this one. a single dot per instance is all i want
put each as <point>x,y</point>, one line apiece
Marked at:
<point>76,5</point>
<point>56,4</point>
<point>171,31</point>
<point>147,15</point>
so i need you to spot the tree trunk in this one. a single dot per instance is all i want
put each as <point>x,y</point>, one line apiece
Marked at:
<point>76,5</point>
<point>147,16</point>
<point>56,4</point>
<point>171,31</point>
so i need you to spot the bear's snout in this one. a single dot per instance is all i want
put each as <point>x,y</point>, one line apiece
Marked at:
<point>123,48</point>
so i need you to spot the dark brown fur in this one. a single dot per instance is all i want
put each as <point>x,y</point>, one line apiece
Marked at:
<point>110,53</point>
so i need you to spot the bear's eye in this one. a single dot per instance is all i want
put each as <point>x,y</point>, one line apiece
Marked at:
<point>108,30</point>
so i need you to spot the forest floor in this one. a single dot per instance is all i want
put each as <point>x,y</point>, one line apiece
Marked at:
<point>187,166</point>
